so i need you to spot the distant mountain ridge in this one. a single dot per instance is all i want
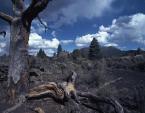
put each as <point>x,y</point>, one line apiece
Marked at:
<point>110,52</point>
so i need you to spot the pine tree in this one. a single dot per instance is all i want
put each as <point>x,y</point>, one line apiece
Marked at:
<point>94,50</point>
<point>41,54</point>
<point>59,49</point>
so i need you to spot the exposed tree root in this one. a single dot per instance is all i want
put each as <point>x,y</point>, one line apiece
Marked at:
<point>96,99</point>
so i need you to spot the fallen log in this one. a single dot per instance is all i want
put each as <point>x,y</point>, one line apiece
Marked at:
<point>61,91</point>
<point>49,89</point>
<point>96,99</point>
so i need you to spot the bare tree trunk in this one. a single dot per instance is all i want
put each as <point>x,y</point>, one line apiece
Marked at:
<point>18,67</point>
<point>20,30</point>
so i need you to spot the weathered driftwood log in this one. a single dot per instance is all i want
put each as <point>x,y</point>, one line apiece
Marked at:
<point>60,91</point>
<point>50,89</point>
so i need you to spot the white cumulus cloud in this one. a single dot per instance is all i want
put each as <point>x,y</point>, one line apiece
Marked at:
<point>36,42</point>
<point>124,31</point>
<point>85,40</point>
<point>65,42</point>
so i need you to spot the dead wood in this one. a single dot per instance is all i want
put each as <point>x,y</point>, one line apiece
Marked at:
<point>38,110</point>
<point>68,90</point>
<point>50,89</point>
<point>97,99</point>
<point>20,25</point>
<point>6,17</point>
<point>42,23</point>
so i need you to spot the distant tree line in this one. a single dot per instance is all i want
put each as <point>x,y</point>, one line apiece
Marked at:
<point>41,53</point>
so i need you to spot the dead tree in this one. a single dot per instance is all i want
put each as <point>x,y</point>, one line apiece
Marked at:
<point>20,25</point>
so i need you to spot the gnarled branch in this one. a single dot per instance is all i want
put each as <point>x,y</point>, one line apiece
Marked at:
<point>58,91</point>
<point>114,103</point>
<point>42,23</point>
<point>34,9</point>
<point>49,89</point>
<point>6,17</point>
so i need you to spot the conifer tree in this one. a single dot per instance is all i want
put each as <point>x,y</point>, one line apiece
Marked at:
<point>59,49</point>
<point>41,54</point>
<point>94,50</point>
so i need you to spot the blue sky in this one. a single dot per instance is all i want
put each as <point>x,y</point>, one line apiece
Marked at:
<point>74,23</point>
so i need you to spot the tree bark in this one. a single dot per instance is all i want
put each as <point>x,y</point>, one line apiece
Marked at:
<point>18,67</point>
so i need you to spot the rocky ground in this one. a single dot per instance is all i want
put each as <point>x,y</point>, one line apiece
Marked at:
<point>109,77</point>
